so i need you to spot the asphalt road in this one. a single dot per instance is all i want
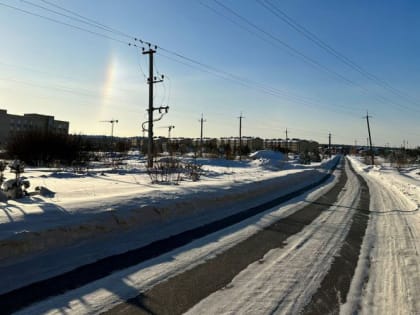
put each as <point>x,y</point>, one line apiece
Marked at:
<point>336,284</point>
<point>178,294</point>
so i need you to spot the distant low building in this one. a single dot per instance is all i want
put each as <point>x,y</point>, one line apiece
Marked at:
<point>11,125</point>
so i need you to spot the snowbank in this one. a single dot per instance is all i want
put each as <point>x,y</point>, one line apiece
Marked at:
<point>405,180</point>
<point>44,224</point>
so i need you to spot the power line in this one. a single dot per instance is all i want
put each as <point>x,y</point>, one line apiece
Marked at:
<point>110,29</point>
<point>94,23</point>
<point>308,59</point>
<point>291,49</point>
<point>163,82</point>
<point>246,82</point>
<point>322,44</point>
<point>72,91</point>
<point>64,23</point>
<point>97,25</point>
<point>209,69</point>
<point>204,67</point>
<point>213,72</point>
<point>141,67</point>
<point>169,88</point>
<point>236,23</point>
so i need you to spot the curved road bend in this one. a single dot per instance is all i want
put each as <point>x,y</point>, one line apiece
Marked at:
<point>178,294</point>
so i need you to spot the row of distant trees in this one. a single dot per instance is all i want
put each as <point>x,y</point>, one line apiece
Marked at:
<point>38,148</point>
<point>397,157</point>
<point>402,157</point>
<point>209,148</point>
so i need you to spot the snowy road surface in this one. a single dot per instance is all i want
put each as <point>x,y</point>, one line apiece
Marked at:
<point>390,273</point>
<point>290,271</point>
<point>289,276</point>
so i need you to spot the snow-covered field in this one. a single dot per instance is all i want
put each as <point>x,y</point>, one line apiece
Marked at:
<point>108,212</point>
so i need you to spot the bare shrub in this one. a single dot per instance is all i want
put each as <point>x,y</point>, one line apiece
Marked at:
<point>172,170</point>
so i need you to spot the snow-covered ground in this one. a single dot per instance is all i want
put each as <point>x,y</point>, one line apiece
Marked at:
<point>105,293</point>
<point>388,275</point>
<point>84,206</point>
<point>105,213</point>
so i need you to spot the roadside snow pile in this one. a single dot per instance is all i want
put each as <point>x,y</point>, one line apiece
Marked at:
<point>268,155</point>
<point>267,158</point>
<point>93,205</point>
<point>405,180</point>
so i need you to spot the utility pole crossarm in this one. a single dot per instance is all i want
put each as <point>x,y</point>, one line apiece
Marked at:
<point>112,121</point>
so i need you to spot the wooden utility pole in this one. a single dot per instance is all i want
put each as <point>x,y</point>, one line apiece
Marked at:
<point>169,132</point>
<point>370,139</point>
<point>201,135</point>
<point>329,144</point>
<point>151,80</point>
<point>240,136</point>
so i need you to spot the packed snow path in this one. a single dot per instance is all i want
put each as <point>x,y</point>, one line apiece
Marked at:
<point>389,276</point>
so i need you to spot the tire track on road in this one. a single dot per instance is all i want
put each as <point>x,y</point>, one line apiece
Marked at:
<point>336,284</point>
<point>396,252</point>
<point>178,294</point>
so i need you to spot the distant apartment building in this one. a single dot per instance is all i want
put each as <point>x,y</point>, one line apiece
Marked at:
<point>11,125</point>
<point>252,143</point>
<point>292,145</point>
<point>219,144</point>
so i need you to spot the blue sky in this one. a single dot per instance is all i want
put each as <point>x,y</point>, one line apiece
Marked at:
<point>59,70</point>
